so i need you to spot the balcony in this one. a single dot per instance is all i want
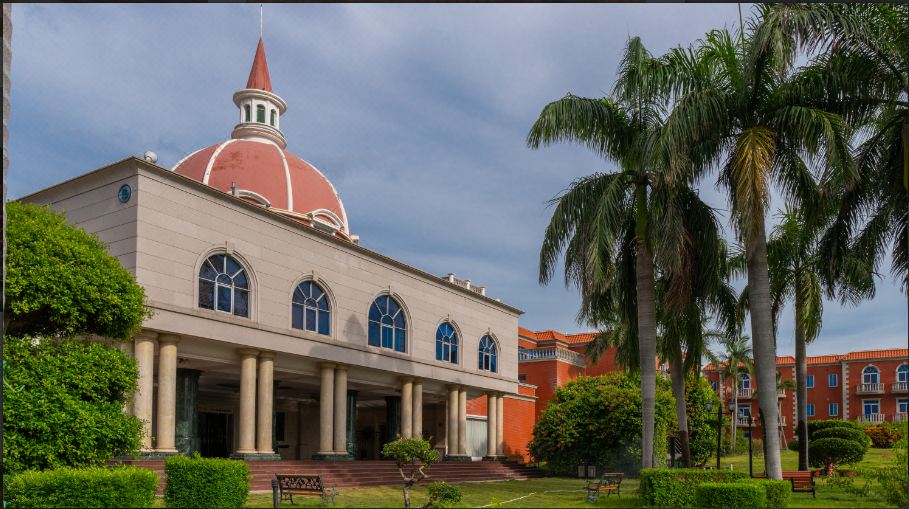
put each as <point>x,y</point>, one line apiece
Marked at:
<point>872,418</point>
<point>781,393</point>
<point>899,417</point>
<point>899,387</point>
<point>741,421</point>
<point>745,393</point>
<point>551,353</point>
<point>869,389</point>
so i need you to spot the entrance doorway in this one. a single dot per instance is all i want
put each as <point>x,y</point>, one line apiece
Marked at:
<point>216,431</point>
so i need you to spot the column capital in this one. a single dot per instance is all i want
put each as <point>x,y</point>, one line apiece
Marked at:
<point>327,365</point>
<point>266,355</point>
<point>247,352</point>
<point>145,335</point>
<point>453,387</point>
<point>168,338</point>
<point>340,367</point>
<point>406,379</point>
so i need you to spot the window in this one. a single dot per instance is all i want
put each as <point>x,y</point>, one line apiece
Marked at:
<point>246,109</point>
<point>746,381</point>
<point>810,408</point>
<point>446,343</point>
<point>714,385</point>
<point>223,286</point>
<point>522,378</point>
<point>387,325</point>
<point>833,380</point>
<point>487,354</point>
<point>274,115</point>
<point>260,113</point>
<point>809,381</point>
<point>870,375</point>
<point>833,409</point>
<point>744,410</point>
<point>902,406</point>
<point>871,406</point>
<point>310,309</point>
<point>902,373</point>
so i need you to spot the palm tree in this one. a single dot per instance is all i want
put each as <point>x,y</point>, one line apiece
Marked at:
<point>733,361</point>
<point>738,107</point>
<point>796,267</point>
<point>613,227</point>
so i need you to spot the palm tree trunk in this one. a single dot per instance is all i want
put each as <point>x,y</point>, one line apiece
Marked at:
<point>763,343</point>
<point>677,375</point>
<point>801,385</point>
<point>645,287</point>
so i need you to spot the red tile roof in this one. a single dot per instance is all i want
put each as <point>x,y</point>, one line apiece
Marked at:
<point>552,335</point>
<point>258,75</point>
<point>834,358</point>
<point>877,354</point>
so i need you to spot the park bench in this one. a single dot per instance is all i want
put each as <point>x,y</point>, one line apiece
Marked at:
<point>802,481</point>
<point>608,482</point>
<point>285,486</point>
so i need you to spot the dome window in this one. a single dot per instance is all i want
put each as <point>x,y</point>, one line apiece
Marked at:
<point>260,114</point>
<point>274,115</point>
<point>248,111</point>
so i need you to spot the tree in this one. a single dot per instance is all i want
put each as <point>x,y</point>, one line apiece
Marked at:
<point>61,280</point>
<point>837,441</point>
<point>733,362</point>
<point>796,266</point>
<point>739,108</point>
<point>413,457</point>
<point>701,423</point>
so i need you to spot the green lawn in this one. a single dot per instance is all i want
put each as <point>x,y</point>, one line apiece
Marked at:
<point>790,459</point>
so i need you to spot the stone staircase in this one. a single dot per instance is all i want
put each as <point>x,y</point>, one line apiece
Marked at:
<point>348,474</point>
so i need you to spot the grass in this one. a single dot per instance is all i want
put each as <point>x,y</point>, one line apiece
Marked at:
<point>790,460</point>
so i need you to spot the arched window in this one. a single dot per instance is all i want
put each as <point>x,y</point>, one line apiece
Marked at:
<point>260,114</point>
<point>246,110</point>
<point>902,373</point>
<point>446,343</point>
<point>387,325</point>
<point>487,354</point>
<point>310,308</point>
<point>223,286</point>
<point>870,375</point>
<point>274,115</point>
<point>746,381</point>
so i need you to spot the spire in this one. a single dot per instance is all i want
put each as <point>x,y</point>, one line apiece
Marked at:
<point>258,75</point>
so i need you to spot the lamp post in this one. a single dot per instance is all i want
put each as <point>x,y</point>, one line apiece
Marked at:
<point>750,451</point>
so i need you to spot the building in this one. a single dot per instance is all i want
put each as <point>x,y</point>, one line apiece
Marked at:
<point>274,333</point>
<point>869,386</point>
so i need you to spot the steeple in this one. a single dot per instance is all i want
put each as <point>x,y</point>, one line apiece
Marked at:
<point>260,108</point>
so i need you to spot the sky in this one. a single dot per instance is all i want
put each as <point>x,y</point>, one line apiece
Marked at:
<point>418,114</point>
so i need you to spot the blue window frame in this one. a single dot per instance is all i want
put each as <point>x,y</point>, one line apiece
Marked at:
<point>746,381</point>
<point>744,410</point>
<point>870,375</point>
<point>810,408</point>
<point>223,286</point>
<point>446,343</point>
<point>310,308</point>
<point>902,406</point>
<point>902,373</point>
<point>833,380</point>
<point>387,325</point>
<point>487,354</point>
<point>833,409</point>
<point>714,385</point>
<point>871,406</point>
<point>809,381</point>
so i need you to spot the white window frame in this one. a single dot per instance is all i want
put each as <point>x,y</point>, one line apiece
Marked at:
<point>876,401</point>
<point>833,409</point>
<point>835,378</point>
<point>809,381</point>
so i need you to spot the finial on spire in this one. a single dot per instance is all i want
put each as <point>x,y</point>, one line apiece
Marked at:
<point>260,21</point>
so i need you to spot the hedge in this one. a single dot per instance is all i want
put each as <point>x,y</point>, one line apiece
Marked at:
<point>205,482</point>
<point>730,494</point>
<point>677,487</point>
<point>778,492</point>
<point>83,487</point>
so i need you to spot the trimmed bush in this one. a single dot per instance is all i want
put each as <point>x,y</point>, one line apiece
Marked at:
<point>793,445</point>
<point>778,492</point>
<point>677,487</point>
<point>827,451</point>
<point>442,494</point>
<point>730,494</point>
<point>205,482</point>
<point>85,487</point>
<point>855,435</point>
<point>814,426</point>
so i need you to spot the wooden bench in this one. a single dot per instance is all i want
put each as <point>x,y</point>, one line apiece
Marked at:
<point>285,486</point>
<point>802,481</point>
<point>609,482</point>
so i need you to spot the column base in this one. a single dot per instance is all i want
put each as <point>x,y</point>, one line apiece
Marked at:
<point>156,455</point>
<point>457,457</point>
<point>495,457</point>
<point>255,456</point>
<point>330,456</point>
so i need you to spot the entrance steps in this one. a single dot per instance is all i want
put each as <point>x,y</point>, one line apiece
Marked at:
<point>348,474</point>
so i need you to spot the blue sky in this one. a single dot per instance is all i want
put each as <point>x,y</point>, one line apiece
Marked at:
<point>417,113</point>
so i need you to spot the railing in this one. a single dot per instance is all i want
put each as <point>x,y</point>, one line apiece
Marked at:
<point>741,421</point>
<point>465,283</point>
<point>782,420</point>
<point>781,393</point>
<point>551,353</point>
<point>869,389</point>
<point>899,417</point>
<point>745,393</point>
<point>898,387</point>
<point>873,418</point>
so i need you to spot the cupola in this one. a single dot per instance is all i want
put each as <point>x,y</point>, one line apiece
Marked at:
<point>260,108</point>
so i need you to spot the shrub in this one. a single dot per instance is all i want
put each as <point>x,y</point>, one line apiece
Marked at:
<point>778,492</point>
<point>701,423</point>
<point>894,477</point>
<point>412,456</point>
<point>826,451</point>
<point>793,445</point>
<point>814,426</point>
<point>89,487</point>
<point>205,482</point>
<point>730,494</point>
<point>855,435</point>
<point>597,421</point>
<point>442,494</point>
<point>677,487</point>
<point>882,436</point>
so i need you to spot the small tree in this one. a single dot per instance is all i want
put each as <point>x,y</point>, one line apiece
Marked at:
<point>413,457</point>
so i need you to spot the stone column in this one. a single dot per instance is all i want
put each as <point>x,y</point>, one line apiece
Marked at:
<point>187,438</point>
<point>392,417</point>
<point>326,409</point>
<point>351,428</point>
<point>491,414</point>
<point>340,410</point>
<point>144,351</point>
<point>453,420</point>
<point>167,393</point>
<point>247,424</point>
<point>500,425</point>
<point>417,409</point>
<point>462,422</point>
<point>265,401</point>
<point>301,428</point>
<point>406,407</point>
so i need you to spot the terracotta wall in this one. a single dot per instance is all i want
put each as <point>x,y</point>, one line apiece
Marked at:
<point>518,427</point>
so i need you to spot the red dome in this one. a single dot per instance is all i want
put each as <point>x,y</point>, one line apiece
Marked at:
<point>265,174</point>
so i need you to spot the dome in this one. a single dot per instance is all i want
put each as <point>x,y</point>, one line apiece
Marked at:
<point>263,173</point>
